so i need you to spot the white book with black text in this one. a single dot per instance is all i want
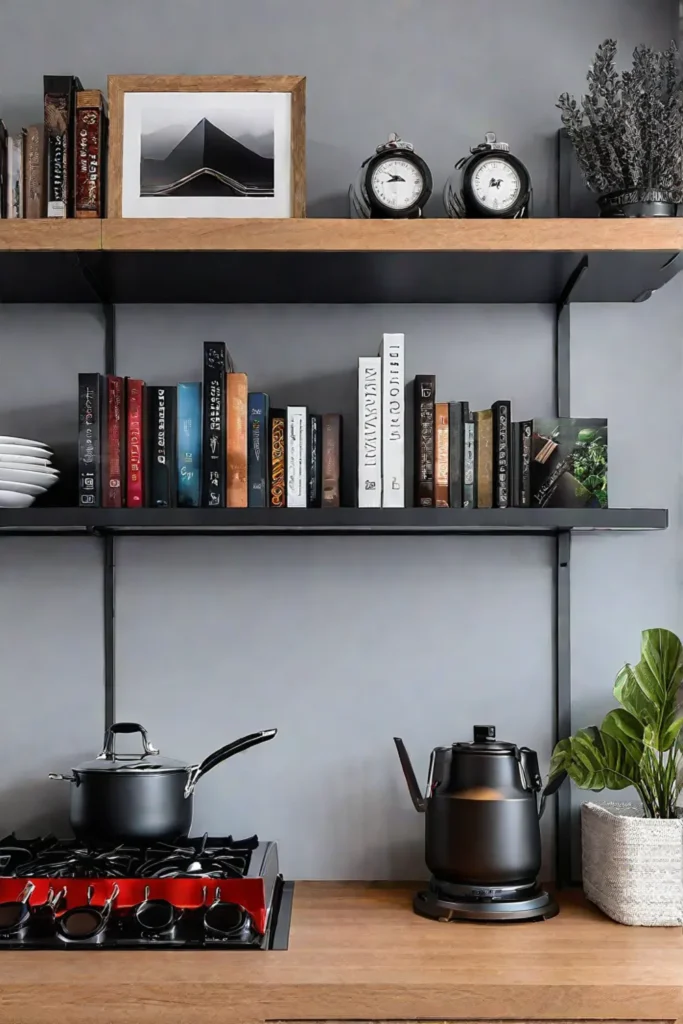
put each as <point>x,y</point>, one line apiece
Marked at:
<point>392,353</point>
<point>296,456</point>
<point>370,432</point>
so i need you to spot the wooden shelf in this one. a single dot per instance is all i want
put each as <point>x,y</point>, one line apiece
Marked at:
<point>328,521</point>
<point>244,261</point>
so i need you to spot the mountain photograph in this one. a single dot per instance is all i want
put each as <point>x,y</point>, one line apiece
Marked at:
<point>221,154</point>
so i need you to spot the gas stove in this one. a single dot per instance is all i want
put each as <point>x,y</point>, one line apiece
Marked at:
<point>199,893</point>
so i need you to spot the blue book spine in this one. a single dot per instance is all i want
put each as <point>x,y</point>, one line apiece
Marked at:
<point>189,441</point>
<point>257,450</point>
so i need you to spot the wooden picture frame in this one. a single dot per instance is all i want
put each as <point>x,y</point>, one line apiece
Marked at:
<point>121,85</point>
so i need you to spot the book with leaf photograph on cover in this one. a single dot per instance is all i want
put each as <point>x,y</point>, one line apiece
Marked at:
<point>569,463</point>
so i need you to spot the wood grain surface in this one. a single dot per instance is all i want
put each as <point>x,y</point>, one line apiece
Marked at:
<point>324,235</point>
<point>119,85</point>
<point>357,952</point>
<point>50,235</point>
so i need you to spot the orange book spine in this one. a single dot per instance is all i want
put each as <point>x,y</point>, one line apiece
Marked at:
<point>236,389</point>
<point>441,455</point>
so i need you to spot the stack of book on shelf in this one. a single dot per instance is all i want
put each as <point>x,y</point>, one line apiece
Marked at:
<point>212,443</point>
<point>56,168</point>
<point>466,459</point>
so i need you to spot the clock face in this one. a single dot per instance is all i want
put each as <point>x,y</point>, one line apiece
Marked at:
<point>397,183</point>
<point>497,185</point>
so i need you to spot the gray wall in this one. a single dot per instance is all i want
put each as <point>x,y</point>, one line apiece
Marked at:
<point>341,643</point>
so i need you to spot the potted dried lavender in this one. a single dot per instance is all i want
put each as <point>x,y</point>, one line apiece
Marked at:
<point>628,132</point>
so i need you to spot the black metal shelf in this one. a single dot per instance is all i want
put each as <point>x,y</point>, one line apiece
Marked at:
<point>199,521</point>
<point>331,277</point>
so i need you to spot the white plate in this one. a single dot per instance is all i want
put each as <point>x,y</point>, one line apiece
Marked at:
<point>24,460</point>
<point>21,440</point>
<point>36,476</point>
<point>21,488</point>
<point>12,499</point>
<point>25,449</point>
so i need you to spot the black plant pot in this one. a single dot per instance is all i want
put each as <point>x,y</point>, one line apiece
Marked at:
<point>650,202</point>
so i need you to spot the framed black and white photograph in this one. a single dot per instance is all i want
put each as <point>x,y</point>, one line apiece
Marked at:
<point>206,146</point>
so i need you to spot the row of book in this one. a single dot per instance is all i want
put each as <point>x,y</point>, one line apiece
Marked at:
<point>57,168</point>
<point>465,458</point>
<point>213,444</point>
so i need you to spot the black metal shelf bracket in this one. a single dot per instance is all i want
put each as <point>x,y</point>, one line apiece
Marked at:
<point>109,551</point>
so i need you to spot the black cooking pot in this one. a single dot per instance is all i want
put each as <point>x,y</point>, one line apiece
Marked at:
<point>120,798</point>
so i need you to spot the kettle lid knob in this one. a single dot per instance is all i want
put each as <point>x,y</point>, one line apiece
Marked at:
<point>484,733</point>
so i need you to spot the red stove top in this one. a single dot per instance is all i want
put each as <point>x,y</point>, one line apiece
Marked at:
<point>204,892</point>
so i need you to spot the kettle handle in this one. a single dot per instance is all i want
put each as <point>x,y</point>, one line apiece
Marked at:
<point>419,802</point>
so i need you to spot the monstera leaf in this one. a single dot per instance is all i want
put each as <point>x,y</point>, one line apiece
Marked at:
<point>639,744</point>
<point>595,760</point>
<point>649,690</point>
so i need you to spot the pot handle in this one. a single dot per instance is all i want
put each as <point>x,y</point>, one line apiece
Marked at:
<point>236,747</point>
<point>108,753</point>
<point>61,778</point>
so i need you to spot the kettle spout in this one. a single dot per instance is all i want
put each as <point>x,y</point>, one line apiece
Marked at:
<point>419,802</point>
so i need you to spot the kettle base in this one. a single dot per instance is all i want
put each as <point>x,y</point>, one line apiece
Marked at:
<point>529,903</point>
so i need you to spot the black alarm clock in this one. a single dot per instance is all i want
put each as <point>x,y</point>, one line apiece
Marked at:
<point>491,182</point>
<point>394,182</point>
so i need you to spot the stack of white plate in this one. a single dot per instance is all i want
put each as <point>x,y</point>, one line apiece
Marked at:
<point>25,471</point>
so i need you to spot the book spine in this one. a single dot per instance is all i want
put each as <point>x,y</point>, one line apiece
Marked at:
<point>296,456</point>
<point>526,434</point>
<point>469,472</point>
<point>484,474</point>
<point>424,391</point>
<point>213,458</point>
<point>441,482</point>
<point>161,420</point>
<point>457,414</point>
<point>501,454</point>
<point>315,461</point>
<point>332,460</point>
<point>3,169</point>
<point>89,154</point>
<point>393,420</point>
<point>112,494</point>
<point>34,162</point>
<point>515,464</point>
<point>58,91</point>
<point>237,398</point>
<point>135,436</point>
<point>369,432</point>
<point>89,441</point>
<point>257,462</point>
<point>15,175</point>
<point>189,444</point>
<point>278,462</point>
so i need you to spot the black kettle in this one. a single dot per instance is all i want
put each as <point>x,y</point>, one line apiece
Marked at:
<point>482,811</point>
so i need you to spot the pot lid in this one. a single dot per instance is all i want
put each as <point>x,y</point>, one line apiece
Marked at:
<point>149,760</point>
<point>133,763</point>
<point>485,742</point>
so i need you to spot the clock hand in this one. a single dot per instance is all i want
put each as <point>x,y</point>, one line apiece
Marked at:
<point>395,177</point>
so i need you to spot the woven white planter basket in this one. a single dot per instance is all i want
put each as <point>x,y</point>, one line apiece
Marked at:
<point>632,866</point>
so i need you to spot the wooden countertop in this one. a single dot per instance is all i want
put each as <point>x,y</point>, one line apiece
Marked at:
<point>358,952</point>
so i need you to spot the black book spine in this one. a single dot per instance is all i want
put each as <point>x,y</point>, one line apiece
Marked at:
<point>3,170</point>
<point>457,413</point>
<point>515,464</point>
<point>469,476</point>
<point>161,436</point>
<point>60,132</point>
<point>501,455</point>
<point>257,449</point>
<point>213,434</point>
<point>315,461</point>
<point>89,439</point>
<point>425,391</point>
<point>526,429</point>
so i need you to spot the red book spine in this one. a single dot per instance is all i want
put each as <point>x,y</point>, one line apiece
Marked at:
<point>135,491</point>
<point>113,489</point>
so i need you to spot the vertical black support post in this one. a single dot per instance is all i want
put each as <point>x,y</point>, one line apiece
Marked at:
<point>109,552</point>
<point>562,611</point>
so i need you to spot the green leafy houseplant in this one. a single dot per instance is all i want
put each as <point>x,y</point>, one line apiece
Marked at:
<point>638,744</point>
